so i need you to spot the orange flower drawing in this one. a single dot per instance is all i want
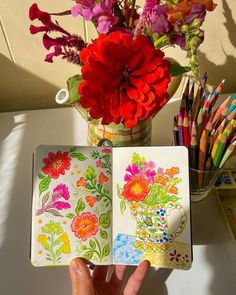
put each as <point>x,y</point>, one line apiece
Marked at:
<point>171,172</point>
<point>91,200</point>
<point>162,180</point>
<point>173,190</point>
<point>81,182</point>
<point>56,164</point>
<point>85,225</point>
<point>102,178</point>
<point>136,189</point>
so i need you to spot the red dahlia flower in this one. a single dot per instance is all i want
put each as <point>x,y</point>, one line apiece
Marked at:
<point>124,79</point>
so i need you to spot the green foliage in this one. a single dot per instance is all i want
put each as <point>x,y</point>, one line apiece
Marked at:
<point>80,206</point>
<point>103,234</point>
<point>78,156</point>
<point>176,69</point>
<point>44,184</point>
<point>122,206</point>
<point>105,220</point>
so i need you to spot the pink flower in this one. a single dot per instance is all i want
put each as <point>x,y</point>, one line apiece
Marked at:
<point>132,171</point>
<point>150,174</point>
<point>106,150</point>
<point>149,165</point>
<point>160,171</point>
<point>60,191</point>
<point>60,205</point>
<point>99,163</point>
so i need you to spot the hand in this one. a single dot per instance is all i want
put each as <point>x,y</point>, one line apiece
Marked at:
<point>85,284</point>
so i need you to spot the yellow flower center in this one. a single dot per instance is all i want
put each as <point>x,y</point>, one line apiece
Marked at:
<point>136,189</point>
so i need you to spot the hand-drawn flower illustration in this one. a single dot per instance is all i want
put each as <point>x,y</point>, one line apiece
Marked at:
<point>85,225</point>
<point>162,180</point>
<point>50,204</point>
<point>136,189</point>
<point>56,164</point>
<point>54,241</point>
<point>175,256</point>
<point>91,200</point>
<point>134,206</point>
<point>102,178</point>
<point>173,190</point>
<point>132,171</point>
<point>106,150</point>
<point>81,182</point>
<point>99,163</point>
<point>171,172</point>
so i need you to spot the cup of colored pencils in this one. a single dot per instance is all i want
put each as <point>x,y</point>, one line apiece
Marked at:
<point>208,131</point>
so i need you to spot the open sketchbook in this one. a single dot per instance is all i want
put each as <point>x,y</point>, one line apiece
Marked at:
<point>111,206</point>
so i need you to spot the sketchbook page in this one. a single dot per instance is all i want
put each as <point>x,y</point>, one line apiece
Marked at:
<point>151,206</point>
<point>71,212</point>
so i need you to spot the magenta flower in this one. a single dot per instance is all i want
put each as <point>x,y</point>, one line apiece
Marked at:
<point>101,11</point>
<point>67,46</point>
<point>198,11</point>
<point>60,191</point>
<point>61,205</point>
<point>150,174</point>
<point>132,170</point>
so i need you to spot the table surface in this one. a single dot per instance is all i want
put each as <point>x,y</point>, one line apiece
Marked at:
<point>214,254</point>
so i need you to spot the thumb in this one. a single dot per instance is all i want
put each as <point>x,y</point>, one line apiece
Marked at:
<point>81,279</point>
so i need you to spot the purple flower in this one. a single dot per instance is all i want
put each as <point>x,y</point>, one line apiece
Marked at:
<point>84,8</point>
<point>179,40</point>
<point>158,20</point>
<point>132,170</point>
<point>198,11</point>
<point>160,171</point>
<point>60,191</point>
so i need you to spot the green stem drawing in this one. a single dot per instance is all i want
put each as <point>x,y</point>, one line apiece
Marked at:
<point>51,248</point>
<point>99,191</point>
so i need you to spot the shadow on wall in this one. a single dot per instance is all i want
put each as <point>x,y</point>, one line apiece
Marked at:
<point>22,90</point>
<point>225,70</point>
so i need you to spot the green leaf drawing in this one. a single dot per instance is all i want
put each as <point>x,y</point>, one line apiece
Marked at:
<point>73,149</point>
<point>90,173</point>
<point>45,199</point>
<point>106,250</point>
<point>54,212</point>
<point>88,255</point>
<point>41,176</point>
<point>119,190</point>
<point>92,244</point>
<point>78,156</point>
<point>70,215</point>
<point>105,219</point>
<point>80,206</point>
<point>122,206</point>
<point>44,184</point>
<point>103,234</point>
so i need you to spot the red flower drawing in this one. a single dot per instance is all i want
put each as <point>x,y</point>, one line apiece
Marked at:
<point>56,164</point>
<point>85,225</point>
<point>136,189</point>
<point>133,79</point>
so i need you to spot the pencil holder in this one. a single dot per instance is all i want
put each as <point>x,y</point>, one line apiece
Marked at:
<point>202,182</point>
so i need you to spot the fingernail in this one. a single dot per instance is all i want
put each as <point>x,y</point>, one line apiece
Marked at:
<point>75,266</point>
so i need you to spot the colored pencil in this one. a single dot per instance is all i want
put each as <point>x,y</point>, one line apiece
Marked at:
<point>196,104</point>
<point>232,107</point>
<point>175,133</point>
<point>228,153</point>
<point>219,151</point>
<point>180,129</point>
<point>219,110</point>
<point>194,152</point>
<point>186,130</point>
<point>202,156</point>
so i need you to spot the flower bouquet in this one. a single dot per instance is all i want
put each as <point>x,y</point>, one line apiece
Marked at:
<point>124,74</point>
<point>151,193</point>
